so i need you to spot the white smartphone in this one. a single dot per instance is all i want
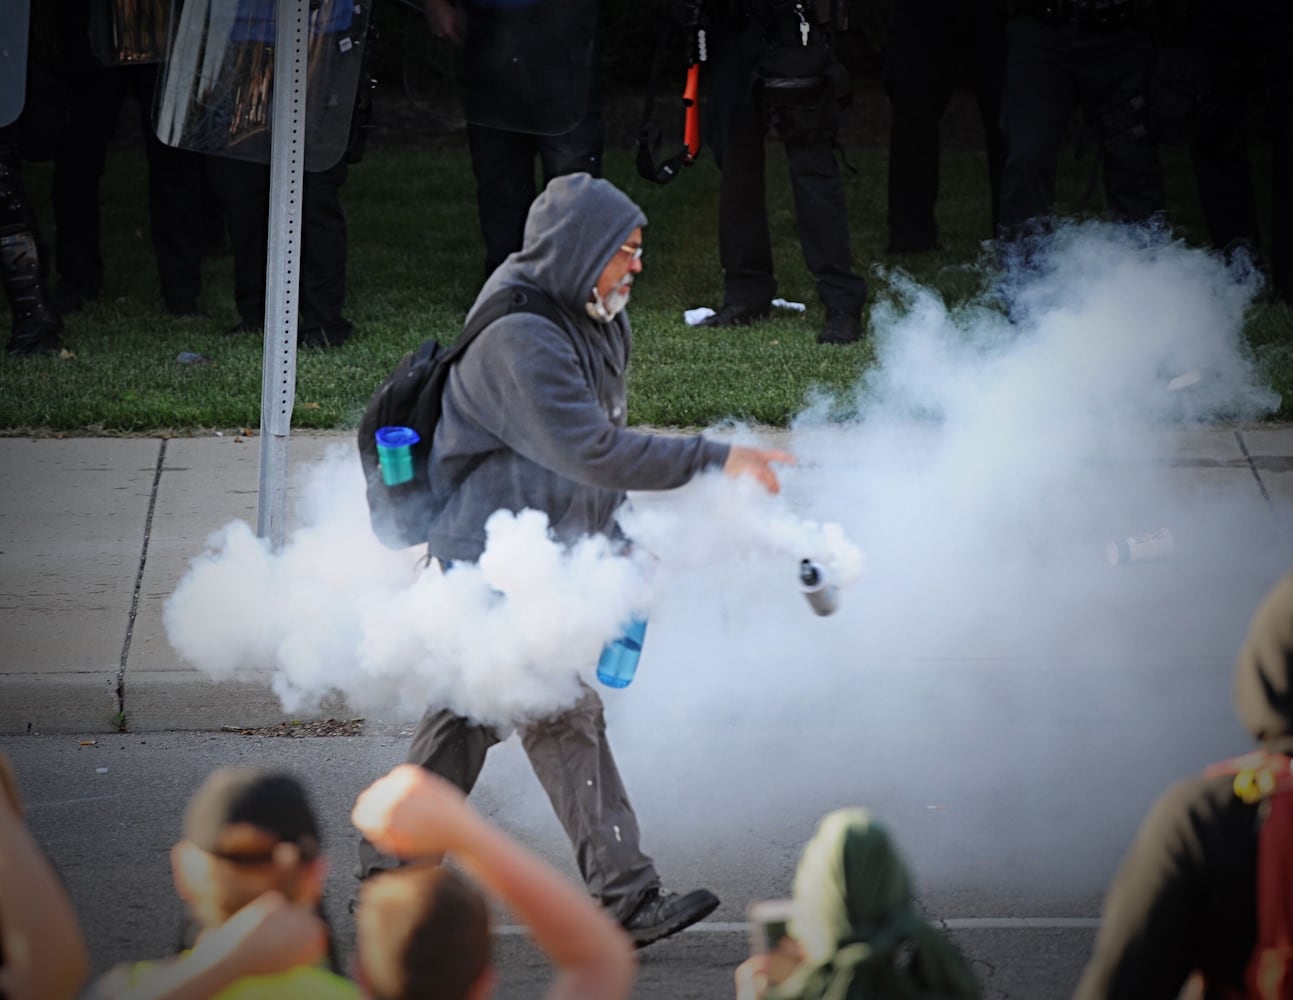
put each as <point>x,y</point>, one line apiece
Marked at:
<point>769,921</point>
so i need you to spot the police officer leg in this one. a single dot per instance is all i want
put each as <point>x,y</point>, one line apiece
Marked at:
<point>988,73</point>
<point>503,164</point>
<point>243,190</point>
<point>572,760</point>
<point>821,214</point>
<point>918,80</point>
<point>1282,165</point>
<point>323,259</point>
<point>737,127</point>
<point>744,239</point>
<point>445,744</point>
<point>174,205</point>
<point>36,325</point>
<point>1116,87</point>
<point>580,149</point>
<point>1040,94</point>
<point>94,103</point>
<point>1218,147</point>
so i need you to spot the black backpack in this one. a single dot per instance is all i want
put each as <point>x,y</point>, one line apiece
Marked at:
<point>410,397</point>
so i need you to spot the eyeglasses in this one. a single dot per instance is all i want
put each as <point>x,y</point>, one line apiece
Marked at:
<point>632,251</point>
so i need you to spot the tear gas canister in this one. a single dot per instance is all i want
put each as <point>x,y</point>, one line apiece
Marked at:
<point>822,595</point>
<point>1148,546</point>
<point>394,453</point>
<point>619,659</point>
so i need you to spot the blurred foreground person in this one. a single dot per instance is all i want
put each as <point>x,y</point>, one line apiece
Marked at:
<point>251,874</point>
<point>854,931</point>
<point>424,930</point>
<point>42,953</point>
<point>1185,899</point>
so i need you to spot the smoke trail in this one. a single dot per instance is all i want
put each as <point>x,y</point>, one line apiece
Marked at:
<point>504,640</point>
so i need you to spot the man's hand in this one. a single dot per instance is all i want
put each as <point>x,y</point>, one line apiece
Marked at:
<point>445,20</point>
<point>412,813</point>
<point>757,462</point>
<point>267,936</point>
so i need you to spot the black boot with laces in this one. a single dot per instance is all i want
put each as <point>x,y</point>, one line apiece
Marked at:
<point>662,913</point>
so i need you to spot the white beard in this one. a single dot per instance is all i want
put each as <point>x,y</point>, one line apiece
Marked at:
<point>606,309</point>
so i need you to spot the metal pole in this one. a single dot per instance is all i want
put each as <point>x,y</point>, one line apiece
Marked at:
<point>282,266</point>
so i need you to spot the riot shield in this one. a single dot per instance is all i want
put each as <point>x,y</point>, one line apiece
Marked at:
<point>126,32</point>
<point>13,60</point>
<point>520,65</point>
<point>217,79</point>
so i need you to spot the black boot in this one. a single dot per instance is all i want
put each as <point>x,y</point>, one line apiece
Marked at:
<point>731,315</point>
<point>36,326</point>
<point>841,328</point>
<point>662,913</point>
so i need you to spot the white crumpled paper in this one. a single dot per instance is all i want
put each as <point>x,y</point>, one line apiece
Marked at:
<point>694,317</point>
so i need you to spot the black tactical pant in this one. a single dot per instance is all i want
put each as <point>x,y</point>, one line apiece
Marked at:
<point>24,268</point>
<point>1053,67</point>
<point>243,189</point>
<point>503,163</point>
<point>932,45</point>
<point>572,760</point>
<point>737,126</point>
<point>175,188</point>
<point>1246,49</point>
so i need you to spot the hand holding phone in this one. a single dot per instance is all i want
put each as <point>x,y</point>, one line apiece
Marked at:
<point>774,952</point>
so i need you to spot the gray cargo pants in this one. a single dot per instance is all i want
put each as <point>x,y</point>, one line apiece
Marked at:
<point>573,762</point>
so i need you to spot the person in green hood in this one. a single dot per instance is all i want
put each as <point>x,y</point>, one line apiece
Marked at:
<point>855,932</point>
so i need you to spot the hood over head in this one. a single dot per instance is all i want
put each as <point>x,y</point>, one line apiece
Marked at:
<point>849,881</point>
<point>1263,684</point>
<point>574,228</point>
<point>854,914</point>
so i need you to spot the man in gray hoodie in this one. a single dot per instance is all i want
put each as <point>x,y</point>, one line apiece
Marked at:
<point>1185,897</point>
<point>534,415</point>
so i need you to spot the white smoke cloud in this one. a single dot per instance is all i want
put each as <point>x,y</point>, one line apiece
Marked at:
<point>504,640</point>
<point>988,465</point>
<point>986,469</point>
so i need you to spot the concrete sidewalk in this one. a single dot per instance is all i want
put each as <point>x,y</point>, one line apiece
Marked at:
<point>95,534</point>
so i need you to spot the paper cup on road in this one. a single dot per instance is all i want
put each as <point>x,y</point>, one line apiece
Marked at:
<point>1148,546</point>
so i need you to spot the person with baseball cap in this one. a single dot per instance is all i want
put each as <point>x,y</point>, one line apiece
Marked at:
<point>251,872</point>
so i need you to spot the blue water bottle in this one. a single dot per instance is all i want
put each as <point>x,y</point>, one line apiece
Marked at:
<point>619,659</point>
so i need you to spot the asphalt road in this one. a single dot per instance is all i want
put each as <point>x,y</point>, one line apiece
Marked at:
<point>1013,791</point>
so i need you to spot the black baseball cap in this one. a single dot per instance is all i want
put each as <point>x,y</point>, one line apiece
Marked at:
<point>272,802</point>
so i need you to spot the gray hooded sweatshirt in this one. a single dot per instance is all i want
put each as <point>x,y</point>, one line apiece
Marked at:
<point>535,413</point>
